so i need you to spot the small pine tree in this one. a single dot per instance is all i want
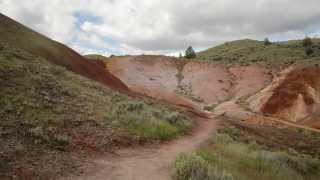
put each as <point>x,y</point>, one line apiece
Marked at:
<point>180,55</point>
<point>266,42</point>
<point>307,42</point>
<point>190,53</point>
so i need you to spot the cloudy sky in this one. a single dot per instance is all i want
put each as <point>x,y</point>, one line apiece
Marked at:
<point>163,26</point>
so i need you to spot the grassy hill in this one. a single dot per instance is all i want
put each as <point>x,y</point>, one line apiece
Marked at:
<point>17,35</point>
<point>51,118</point>
<point>48,112</point>
<point>248,51</point>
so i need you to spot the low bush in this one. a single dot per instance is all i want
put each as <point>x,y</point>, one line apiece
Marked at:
<point>231,159</point>
<point>147,122</point>
<point>307,42</point>
<point>48,112</point>
<point>194,167</point>
<point>309,51</point>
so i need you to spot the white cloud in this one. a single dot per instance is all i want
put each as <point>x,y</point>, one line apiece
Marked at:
<point>164,26</point>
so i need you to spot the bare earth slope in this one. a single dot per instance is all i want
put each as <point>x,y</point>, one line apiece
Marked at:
<point>194,82</point>
<point>293,96</point>
<point>234,91</point>
<point>290,94</point>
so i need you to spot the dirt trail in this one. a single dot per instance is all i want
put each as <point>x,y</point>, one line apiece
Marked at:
<point>152,162</point>
<point>294,125</point>
<point>200,84</point>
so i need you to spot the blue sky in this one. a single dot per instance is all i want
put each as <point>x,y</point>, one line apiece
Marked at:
<point>84,16</point>
<point>164,26</point>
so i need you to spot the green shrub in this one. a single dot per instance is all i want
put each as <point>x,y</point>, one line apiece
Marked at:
<point>266,42</point>
<point>309,51</point>
<point>42,103</point>
<point>230,159</point>
<point>307,42</point>
<point>194,167</point>
<point>146,122</point>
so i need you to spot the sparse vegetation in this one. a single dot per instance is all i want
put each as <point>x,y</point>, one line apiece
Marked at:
<point>186,90</point>
<point>194,167</point>
<point>231,158</point>
<point>245,52</point>
<point>145,122</point>
<point>48,112</point>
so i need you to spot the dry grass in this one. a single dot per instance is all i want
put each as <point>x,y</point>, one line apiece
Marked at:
<point>229,156</point>
<point>247,51</point>
<point>48,112</point>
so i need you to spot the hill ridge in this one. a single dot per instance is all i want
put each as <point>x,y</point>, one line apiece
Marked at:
<point>18,35</point>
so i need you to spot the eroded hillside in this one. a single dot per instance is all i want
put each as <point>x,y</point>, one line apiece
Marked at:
<point>200,83</point>
<point>287,92</point>
<point>58,107</point>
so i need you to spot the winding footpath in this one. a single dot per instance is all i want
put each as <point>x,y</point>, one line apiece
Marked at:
<point>150,162</point>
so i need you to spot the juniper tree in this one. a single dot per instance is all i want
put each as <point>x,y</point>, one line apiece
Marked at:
<point>190,53</point>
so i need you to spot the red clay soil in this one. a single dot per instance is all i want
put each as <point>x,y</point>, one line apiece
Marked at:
<point>80,65</point>
<point>172,98</point>
<point>92,70</point>
<point>19,36</point>
<point>152,72</point>
<point>265,121</point>
<point>296,83</point>
<point>153,76</point>
<point>195,82</point>
<point>311,121</point>
<point>211,83</point>
<point>316,125</point>
<point>249,79</point>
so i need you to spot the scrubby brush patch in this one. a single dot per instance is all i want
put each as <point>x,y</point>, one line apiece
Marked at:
<point>47,113</point>
<point>233,155</point>
<point>246,52</point>
<point>145,122</point>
